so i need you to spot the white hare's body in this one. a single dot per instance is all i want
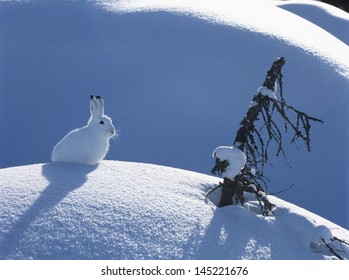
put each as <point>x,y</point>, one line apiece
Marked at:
<point>88,144</point>
<point>72,148</point>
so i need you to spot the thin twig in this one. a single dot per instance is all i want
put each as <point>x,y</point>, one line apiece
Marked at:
<point>332,250</point>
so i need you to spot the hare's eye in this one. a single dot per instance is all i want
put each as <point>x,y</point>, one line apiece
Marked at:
<point>101,122</point>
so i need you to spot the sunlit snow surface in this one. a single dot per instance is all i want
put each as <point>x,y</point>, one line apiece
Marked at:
<point>179,77</point>
<point>256,16</point>
<point>326,16</point>
<point>123,210</point>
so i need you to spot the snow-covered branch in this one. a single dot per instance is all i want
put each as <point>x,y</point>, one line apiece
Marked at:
<point>242,164</point>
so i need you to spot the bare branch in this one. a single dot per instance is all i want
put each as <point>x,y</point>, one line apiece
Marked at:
<point>249,139</point>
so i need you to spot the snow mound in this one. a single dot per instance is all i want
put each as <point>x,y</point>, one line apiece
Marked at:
<point>123,210</point>
<point>187,69</point>
<point>328,17</point>
<point>233,13</point>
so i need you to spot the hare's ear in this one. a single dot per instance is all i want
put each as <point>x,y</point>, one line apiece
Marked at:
<point>93,106</point>
<point>100,105</point>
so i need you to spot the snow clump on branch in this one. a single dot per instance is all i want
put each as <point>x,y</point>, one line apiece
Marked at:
<point>267,92</point>
<point>235,158</point>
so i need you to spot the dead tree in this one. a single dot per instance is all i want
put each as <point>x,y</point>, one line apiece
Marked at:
<point>257,130</point>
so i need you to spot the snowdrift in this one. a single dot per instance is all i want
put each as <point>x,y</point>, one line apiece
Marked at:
<point>123,210</point>
<point>326,16</point>
<point>177,77</point>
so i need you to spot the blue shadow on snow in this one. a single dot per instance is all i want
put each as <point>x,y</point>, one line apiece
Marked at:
<point>63,179</point>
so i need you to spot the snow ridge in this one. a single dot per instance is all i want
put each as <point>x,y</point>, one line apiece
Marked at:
<point>234,13</point>
<point>124,210</point>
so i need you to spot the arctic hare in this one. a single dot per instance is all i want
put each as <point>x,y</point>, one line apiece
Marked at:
<point>88,144</point>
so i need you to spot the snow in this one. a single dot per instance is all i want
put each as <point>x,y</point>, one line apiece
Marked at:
<point>331,19</point>
<point>233,13</point>
<point>267,92</point>
<point>234,156</point>
<point>178,77</point>
<point>321,233</point>
<point>129,210</point>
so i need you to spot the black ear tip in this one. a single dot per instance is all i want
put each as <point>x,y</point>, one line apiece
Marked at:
<point>98,97</point>
<point>91,97</point>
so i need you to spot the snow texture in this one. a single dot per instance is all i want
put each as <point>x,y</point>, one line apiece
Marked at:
<point>124,210</point>
<point>328,17</point>
<point>234,156</point>
<point>178,76</point>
